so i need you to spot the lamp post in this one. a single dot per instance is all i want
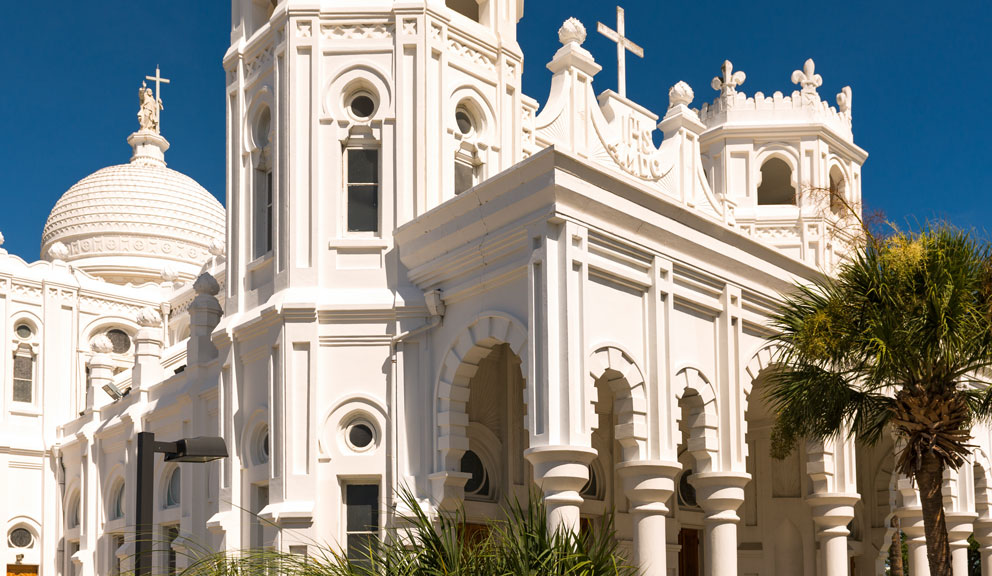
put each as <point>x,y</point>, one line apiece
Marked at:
<point>199,449</point>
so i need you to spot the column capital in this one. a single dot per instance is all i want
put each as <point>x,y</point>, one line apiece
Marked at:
<point>448,489</point>
<point>720,493</point>
<point>832,509</point>
<point>561,472</point>
<point>648,484</point>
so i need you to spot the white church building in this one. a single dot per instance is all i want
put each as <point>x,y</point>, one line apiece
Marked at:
<point>425,278</point>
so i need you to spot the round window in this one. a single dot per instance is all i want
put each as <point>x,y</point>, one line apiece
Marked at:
<point>21,538</point>
<point>478,484</point>
<point>120,340</point>
<point>360,435</point>
<point>23,331</point>
<point>362,106</point>
<point>263,126</point>
<point>175,489</point>
<point>464,122</point>
<point>687,492</point>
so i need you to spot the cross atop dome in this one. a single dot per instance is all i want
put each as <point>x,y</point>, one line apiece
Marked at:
<point>623,44</point>
<point>151,104</point>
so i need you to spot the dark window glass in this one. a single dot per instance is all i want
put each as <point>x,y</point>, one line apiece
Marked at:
<point>591,489</point>
<point>478,484</point>
<point>687,492</point>
<point>363,190</point>
<point>120,340</point>
<point>360,435</point>
<point>21,538</point>
<point>263,212</point>
<point>23,331</point>
<point>362,106</point>
<point>463,121</point>
<point>23,377</point>
<point>464,177</point>
<point>363,166</point>
<point>362,525</point>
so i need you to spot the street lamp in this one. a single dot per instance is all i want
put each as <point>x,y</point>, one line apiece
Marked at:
<point>199,449</point>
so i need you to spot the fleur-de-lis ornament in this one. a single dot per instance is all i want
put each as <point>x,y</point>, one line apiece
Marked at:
<point>730,80</point>
<point>809,80</point>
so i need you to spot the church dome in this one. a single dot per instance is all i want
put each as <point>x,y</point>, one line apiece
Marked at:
<point>131,222</point>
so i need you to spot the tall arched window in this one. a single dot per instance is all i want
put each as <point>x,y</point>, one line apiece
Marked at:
<point>72,511</point>
<point>776,183</point>
<point>263,191</point>
<point>24,363</point>
<point>467,163</point>
<point>361,163</point>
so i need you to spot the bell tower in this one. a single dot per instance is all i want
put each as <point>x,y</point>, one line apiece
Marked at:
<point>348,119</point>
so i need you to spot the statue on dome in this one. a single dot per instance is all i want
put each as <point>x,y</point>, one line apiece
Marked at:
<point>148,112</point>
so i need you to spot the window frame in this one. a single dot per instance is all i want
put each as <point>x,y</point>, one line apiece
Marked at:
<point>355,145</point>
<point>347,529</point>
<point>24,352</point>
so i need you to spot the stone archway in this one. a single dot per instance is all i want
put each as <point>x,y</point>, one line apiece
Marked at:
<point>615,367</point>
<point>459,365</point>
<point>696,391</point>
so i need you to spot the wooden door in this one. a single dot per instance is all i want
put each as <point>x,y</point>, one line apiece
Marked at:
<point>689,552</point>
<point>21,569</point>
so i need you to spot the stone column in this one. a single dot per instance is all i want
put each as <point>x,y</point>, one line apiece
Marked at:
<point>720,494</point>
<point>560,472</point>
<point>101,369</point>
<point>831,514</point>
<point>648,484</point>
<point>983,534</point>
<point>959,527</point>
<point>148,352</point>
<point>911,521</point>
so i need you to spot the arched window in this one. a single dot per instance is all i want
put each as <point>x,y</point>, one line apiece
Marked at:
<point>72,511</point>
<point>260,445</point>
<point>173,489</point>
<point>776,183</point>
<point>361,162</point>
<point>24,362</point>
<point>838,191</point>
<point>467,164</point>
<point>117,503</point>
<point>263,191</point>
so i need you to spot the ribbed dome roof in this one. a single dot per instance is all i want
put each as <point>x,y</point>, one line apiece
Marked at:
<point>126,223</point>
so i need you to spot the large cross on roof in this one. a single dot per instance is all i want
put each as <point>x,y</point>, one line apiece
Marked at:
<point>157,78</point>
<point>623,44</point>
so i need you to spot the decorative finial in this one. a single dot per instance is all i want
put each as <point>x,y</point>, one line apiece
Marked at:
<point>572,30</point>
<point>101,344</point>
<point>206,284</point>
<point>623,44</point>
<point>680,95</point>
<point>844,99</point>
<point>216,247</point>
<point>728,82</point>
<point>151,103</point>
<point>169,273</point>
<point>148,317</point>
<point>58,251</point>
<point>807,77</point>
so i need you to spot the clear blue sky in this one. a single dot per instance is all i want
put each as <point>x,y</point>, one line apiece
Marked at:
<point>919,72</point>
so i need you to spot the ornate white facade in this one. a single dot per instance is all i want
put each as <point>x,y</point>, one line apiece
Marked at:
<point>434,281</point>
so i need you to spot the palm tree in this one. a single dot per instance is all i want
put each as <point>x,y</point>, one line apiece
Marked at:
<point>894,341</point>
